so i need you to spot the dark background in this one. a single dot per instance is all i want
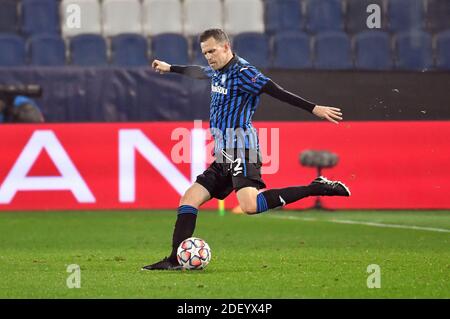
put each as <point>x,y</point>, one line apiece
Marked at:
<point>117,94</point>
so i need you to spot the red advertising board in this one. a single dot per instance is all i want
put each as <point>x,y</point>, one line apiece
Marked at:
<point>387,165</point>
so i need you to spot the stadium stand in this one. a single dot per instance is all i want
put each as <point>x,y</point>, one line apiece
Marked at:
<point>88,50</point>
<point>438,15</point>
<point>40,16</point>
<point>90,21</point>
<point>253,47</point>
<point>155,19</point>
<point>406,15</point>
<point>170,47</point>
<point>114,21</point>
<point>373,51</point>
<point>129,50</point>
<point>47,50</point>
<point>9,16</point>
<point>243,16</point>
<point>356,14</point>
<point>283,16</point>
<point>201,15</point>
<point>282,29</point>
<point>332,51</point>
<point>443,50</point>
<point>413,51</point>
<point>292,50</point>
<point>12,50</point>
<point>324,15</point>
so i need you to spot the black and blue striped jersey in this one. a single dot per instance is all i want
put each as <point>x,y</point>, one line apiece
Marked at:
<point>235,93</point>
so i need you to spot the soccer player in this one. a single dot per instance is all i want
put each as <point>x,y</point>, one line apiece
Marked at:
<point>235,89</point>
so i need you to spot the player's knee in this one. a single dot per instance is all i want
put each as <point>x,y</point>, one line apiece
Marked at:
<point>195,196</point>
<point>248,207</point>
<point>188,199</point>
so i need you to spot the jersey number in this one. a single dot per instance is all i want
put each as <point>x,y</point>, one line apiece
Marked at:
<point>237,169</point>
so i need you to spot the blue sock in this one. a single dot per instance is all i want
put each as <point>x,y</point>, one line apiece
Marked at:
<point>187,209</point>
<point>274,198</point>
<point>261,204</point>
<point>184,228</point>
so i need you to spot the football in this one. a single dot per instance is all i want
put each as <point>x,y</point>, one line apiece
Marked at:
<point>194,253</point>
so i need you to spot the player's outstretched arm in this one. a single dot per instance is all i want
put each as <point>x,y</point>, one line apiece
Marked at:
<point>193,71</point>
<point>332,114</point>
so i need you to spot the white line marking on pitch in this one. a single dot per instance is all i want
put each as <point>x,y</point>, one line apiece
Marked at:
<point>354,222</point>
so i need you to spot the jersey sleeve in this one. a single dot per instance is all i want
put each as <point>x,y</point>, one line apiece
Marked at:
<point>193,71</point>
<point>251,80</point>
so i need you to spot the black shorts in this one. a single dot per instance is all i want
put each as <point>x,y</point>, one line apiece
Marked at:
<point>234,170</point>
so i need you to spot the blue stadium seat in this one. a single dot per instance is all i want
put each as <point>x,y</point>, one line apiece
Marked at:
<point>413,51</point>
<point>356,14</point>
<point>406,15</point>
<point>253,47</point>
<point>373,51</point>
<point>47,50</point>
<point>88,50</point>
<point>438,15</point>
<point>332,51</point>
<point>283,15</point>
<point>9,16</point>
<point>40,16</point>
<point>170,47</point>
<point>443,50</point>
<point>129,50</point>
<point>292,50</point>
<point>324,15</point>
<point>12,50</point>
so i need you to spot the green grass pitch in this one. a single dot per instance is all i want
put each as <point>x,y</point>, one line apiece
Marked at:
<point>281,254</point>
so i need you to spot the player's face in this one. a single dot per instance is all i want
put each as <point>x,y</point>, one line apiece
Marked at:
<point>216,53</point>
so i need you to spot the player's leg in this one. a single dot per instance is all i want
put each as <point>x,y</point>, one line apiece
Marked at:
<point>247,182</point>
<point>193,198</point>
<point>247,197</point>
<point>212,183</point>
<point>273,198</point>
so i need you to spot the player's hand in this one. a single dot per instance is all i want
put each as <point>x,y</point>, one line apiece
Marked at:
<point>332,114</point>
<point>160,66</point>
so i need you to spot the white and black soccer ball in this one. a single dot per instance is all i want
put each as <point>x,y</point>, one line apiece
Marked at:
<point>194,253</point>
